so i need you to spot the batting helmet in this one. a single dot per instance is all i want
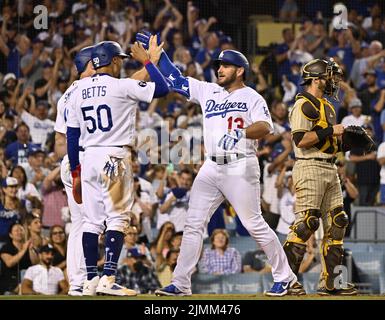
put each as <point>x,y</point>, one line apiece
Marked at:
<point>82,58</point>
<point>233,57</point>
<point>104,51</point>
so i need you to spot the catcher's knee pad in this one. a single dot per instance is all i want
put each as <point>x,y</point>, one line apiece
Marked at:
<point>339,222</point>
<point>294,252</point>
<point>308,225</point>
<point>332,256</point>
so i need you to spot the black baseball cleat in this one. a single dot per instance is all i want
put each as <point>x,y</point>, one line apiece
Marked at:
<point>350,290</point>
<point>296,289</point>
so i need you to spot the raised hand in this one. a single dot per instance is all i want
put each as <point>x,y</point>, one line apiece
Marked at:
<point>139,53</point>
<point>155,49</point>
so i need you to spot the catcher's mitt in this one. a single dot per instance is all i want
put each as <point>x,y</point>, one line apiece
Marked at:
<point>356,137</point>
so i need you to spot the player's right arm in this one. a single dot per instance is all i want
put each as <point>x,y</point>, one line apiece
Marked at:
<point>302,117</point>
<point>60,128</point>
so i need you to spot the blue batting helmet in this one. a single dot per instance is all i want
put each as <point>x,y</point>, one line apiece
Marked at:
<point>104,51</point>
<point>82,58</point>
<point>233,57</point>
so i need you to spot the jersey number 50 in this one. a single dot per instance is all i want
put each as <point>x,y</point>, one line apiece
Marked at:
<point>101,124</point>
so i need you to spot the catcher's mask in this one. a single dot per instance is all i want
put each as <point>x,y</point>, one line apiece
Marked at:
<point>328,70</point>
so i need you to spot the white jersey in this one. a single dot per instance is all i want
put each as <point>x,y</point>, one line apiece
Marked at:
<point>104,108</point>
<point>223,112</point>
<point>63,107</point>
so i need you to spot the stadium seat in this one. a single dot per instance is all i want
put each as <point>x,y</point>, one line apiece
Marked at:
<point>242,283</point>
<point>243,244</point>
<point>206,284</point>
<point>371,266</point>
<point>267,281</point>
<point>353,246</point>
<point>377,247</point>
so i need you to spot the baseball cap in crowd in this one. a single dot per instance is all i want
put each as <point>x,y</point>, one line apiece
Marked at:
<point>47,248</point>
<point>134,253</point>
<point>35,151</point>
<point>8,76</point>
<point>43,103</point>
<point>37,39</point>
<point>370,71</point>
<point>9,182</point>
<point>355,102</point>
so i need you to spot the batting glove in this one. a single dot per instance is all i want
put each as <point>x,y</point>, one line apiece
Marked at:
<point>229,140</point>
<point>76,184</point>
<point>144,38</point>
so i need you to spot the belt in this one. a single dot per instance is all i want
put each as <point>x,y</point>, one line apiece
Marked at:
<point>81,149</point>
<point>227,158</point>
<point>329,160</point>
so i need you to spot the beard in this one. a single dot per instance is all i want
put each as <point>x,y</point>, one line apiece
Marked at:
<point>226,82</point>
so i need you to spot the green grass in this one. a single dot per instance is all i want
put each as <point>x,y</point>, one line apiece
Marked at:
<point>201,297</point>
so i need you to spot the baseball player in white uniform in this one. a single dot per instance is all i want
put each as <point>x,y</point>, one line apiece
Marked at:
<point>103,117</point>
<point>235,116</point>
<point>76,268</point>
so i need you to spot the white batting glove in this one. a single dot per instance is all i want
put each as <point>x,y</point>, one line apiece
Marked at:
<point>230,139</point>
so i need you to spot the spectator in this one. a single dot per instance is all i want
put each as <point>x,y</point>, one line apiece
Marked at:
<point>18,151</point>
<point>255,261</point>
<point>282,53</point>
<point>312,260</point>
<point>32,63</point>
<point>165,271</point>
<point>37,120</point>
<point>11,209</point>
<point>162,242</point>
<point>220,258</point>
<point>58,241</point>
<point>34,230</point>
<point>176,202</point>
<point>367,169</point>
<point>27,192</point>
<point>44,278</point>
<point>54,198</point>
<point>288,11</point>
<point>286,194</point>
<point>130,241</point>
<point>7,125</point>
<point>356,118</point>
<point>16,255</point>
<point>136,275</point>
<point>349,192</point>
<point>35,167</point>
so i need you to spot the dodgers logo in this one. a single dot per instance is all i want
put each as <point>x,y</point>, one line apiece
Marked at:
<point>215,109</point>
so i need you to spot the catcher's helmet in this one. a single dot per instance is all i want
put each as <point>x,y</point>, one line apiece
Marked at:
<point>104,51</point>
<point>323,69</point>
<point>232,57</point>
<point>82,58</point>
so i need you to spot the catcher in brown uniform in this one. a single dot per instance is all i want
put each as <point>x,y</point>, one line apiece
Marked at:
<point>317,187</point>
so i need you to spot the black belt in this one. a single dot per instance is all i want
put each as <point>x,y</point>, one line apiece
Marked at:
<point>329,160</point>
<point>81,149</point>
<point>227,158</point>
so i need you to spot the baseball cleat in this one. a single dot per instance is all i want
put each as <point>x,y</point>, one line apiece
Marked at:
<point>296,289</point>
<point>89,287</point>
<point>280,289</point>
<point>169,291</point>
<point>108,287</point>
<point>75,292</point>
<point>350,290</point>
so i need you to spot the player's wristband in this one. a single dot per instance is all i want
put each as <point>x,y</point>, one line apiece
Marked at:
<point>76,173</point>
<point>323,133</point>
<point>147,62</point>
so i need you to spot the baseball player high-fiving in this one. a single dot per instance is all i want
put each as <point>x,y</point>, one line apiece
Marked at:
<point>103,116</point>
<point>234,117</point>
<point>76,269</point>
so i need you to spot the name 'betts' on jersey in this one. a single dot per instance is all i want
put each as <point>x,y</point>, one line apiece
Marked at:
<point>105,109</point>
<point>223,112</point>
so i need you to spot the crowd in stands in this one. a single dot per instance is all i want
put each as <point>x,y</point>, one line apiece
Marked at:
<point>36,67</point>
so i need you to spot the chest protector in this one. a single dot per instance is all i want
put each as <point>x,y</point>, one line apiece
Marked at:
<point>322,115</point>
